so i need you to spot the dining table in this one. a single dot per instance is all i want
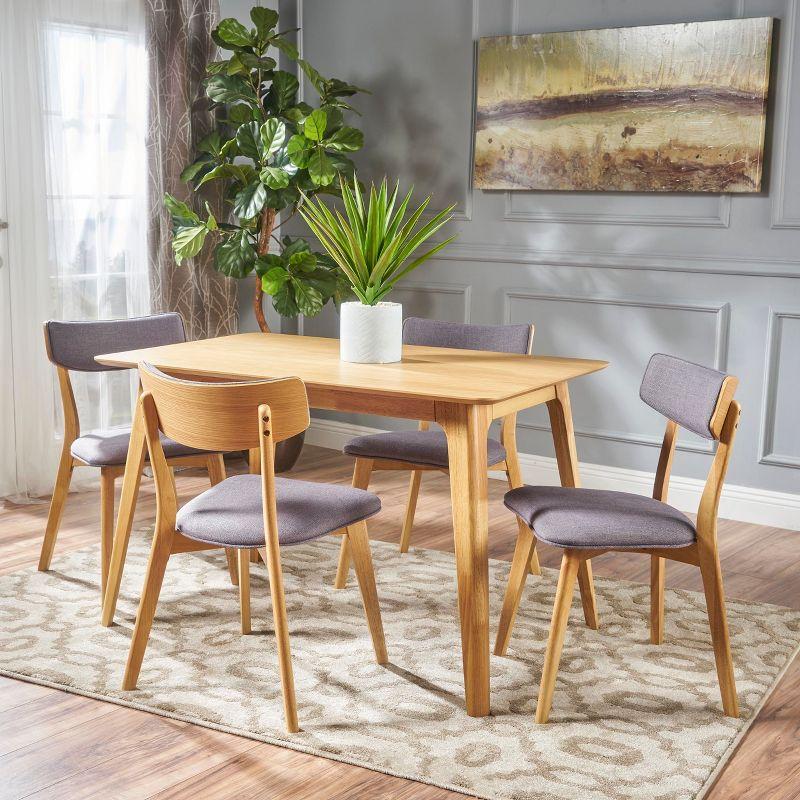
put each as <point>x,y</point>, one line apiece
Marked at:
<point>461,390</point>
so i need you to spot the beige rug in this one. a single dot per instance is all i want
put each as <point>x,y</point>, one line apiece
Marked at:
<point>629,720</point>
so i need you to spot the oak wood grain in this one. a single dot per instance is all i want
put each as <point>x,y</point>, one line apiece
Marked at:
<point>425,373</point>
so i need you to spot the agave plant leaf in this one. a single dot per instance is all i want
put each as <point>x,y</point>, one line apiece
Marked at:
<point>394,224</point>
<point>425,232</point>
<point>334,250</point>
<point>421,259</point>
<point>372,243</point>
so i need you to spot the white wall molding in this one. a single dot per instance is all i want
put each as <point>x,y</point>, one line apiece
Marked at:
<point>720,310</point>
<point>722,219</point>
<point>741,503</point>
<point>647,262</point>
<point>788,34</point>
<point>769,402</point>
<point>463,289</point>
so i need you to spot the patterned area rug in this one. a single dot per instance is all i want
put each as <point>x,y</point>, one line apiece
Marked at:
<point>629,720</point>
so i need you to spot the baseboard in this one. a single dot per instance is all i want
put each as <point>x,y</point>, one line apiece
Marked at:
<point>741,503</point>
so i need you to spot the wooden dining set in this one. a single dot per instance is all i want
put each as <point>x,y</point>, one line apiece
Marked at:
<point>249,392</point>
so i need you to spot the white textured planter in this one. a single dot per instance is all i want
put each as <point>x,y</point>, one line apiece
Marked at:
<point>371,334</point>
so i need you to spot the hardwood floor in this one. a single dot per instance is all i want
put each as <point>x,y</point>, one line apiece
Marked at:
<point>58,745</point>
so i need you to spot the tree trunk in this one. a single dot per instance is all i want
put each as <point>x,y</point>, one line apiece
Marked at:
<point>264,234</point>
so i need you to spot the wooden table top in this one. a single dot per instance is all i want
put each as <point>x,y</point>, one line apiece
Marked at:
<point>426,373</point>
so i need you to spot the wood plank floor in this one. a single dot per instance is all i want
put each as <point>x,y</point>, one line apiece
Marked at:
<point>57,745</point>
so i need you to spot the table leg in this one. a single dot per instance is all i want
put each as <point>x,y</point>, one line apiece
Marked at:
<point>127,505</point>
<point>466,428</point>
<point>560,413</point>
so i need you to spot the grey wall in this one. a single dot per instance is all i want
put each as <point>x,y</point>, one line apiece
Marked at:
<point>712,278</point>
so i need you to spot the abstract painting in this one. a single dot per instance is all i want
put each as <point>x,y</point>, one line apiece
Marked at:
<point>659,108</point>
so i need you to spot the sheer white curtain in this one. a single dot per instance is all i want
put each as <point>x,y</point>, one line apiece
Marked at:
<point>74,99</point>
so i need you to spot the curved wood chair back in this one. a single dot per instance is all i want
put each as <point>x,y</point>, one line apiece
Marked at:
<point>224,416</point>
<point>699,399</point>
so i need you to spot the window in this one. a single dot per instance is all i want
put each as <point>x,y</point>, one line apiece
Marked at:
<point>95,103</point>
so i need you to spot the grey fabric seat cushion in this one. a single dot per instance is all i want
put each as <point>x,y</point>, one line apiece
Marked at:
<point>230,514</point>
<point>593,518</point>
<point>417,447</point>
<point>110,448</point>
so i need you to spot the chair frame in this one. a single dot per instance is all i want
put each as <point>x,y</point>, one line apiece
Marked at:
<point>229,433</point>
<point>364,467</point>
<point>213,463</point>
<point>703,553</point>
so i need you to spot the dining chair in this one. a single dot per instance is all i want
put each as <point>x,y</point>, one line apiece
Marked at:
<point>425,450</point>
<point>245,512</point>
<point>586,523</point>
<point>72,346</point>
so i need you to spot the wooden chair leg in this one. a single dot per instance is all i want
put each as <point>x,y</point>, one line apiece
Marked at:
<point>588,599</point>
<point>282,641</point>
<point>361,475</point>
<point>127,506</point>
<point>533,565</point>
<point>718,622</point>
<point>362,561</point>
<point>243,560</point>
<point>411,509</point>
<point>60,490</point>
<point>107,483</point>
<point>343,568</point>
<point>215,465</point>
<point>156,566</point>
<point>514,478</point>
<point>526,544</point>
<point>558,628</point>
<point>657,575</point>
<point>233,567</point>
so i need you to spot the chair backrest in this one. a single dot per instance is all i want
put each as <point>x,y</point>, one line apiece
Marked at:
<point>74,345</point>
<point>699,399</point>
<point>497,338</point>
<point>688,393</point>
<point>224,416</point>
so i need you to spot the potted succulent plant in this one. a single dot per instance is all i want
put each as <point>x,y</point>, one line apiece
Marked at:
<point>372,244</point>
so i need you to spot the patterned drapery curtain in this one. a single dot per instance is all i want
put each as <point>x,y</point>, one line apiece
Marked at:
<point>179,46</point>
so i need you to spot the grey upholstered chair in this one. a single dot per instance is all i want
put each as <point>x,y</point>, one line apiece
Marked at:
<point>589,522</point>
<point>426,450</point>
<point>245,511</point>
<point>73,346</point>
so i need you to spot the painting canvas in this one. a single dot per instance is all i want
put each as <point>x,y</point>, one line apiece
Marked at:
<point>648,109</point>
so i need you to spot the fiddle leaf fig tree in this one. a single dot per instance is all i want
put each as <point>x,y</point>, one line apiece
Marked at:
<point>268,150</point>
